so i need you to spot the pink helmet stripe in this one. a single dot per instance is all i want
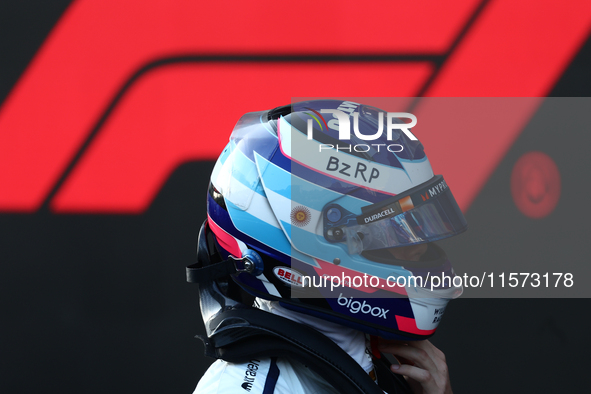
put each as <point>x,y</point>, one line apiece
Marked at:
<point>226,241</point>
<point>408,324</point>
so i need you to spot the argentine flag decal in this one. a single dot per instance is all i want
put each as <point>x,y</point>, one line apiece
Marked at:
<point>278,189</point>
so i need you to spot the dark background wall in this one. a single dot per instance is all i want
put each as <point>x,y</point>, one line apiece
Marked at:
<point>101,199</point>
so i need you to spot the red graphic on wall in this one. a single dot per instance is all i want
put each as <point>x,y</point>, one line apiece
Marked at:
<point>122,93</point>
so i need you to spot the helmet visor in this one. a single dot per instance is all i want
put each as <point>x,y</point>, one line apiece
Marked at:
<point>426,213</point>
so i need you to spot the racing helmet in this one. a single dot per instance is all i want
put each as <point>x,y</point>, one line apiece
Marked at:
<point>333,189</point>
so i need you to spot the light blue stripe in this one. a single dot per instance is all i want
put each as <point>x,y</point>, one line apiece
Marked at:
<point>301,191</point>
<point>264,232</point>
<point>274,178</point>
<point>245,172</point>
<point>258,229</point>
<point>226,152</point>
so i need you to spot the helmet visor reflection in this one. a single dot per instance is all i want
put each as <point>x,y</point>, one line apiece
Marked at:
<point>426,213</point>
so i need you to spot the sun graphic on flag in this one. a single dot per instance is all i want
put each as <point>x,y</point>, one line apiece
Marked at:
<point>300,216</point>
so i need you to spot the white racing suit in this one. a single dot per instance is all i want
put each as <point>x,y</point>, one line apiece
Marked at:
<point>280,375</point>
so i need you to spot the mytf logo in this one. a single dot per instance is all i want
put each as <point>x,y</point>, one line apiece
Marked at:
<point>341,122</point>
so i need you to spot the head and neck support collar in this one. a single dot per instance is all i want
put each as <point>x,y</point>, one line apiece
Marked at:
<point>236,333</point>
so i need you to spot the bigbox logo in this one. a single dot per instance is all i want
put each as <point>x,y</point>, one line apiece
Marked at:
<point>363,307</point>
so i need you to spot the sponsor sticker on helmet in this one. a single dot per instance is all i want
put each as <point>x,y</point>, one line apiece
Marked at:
<point>288,276</point>
<point>364,307</point>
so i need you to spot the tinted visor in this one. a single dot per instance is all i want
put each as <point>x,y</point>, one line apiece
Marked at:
<point>426,213</point>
